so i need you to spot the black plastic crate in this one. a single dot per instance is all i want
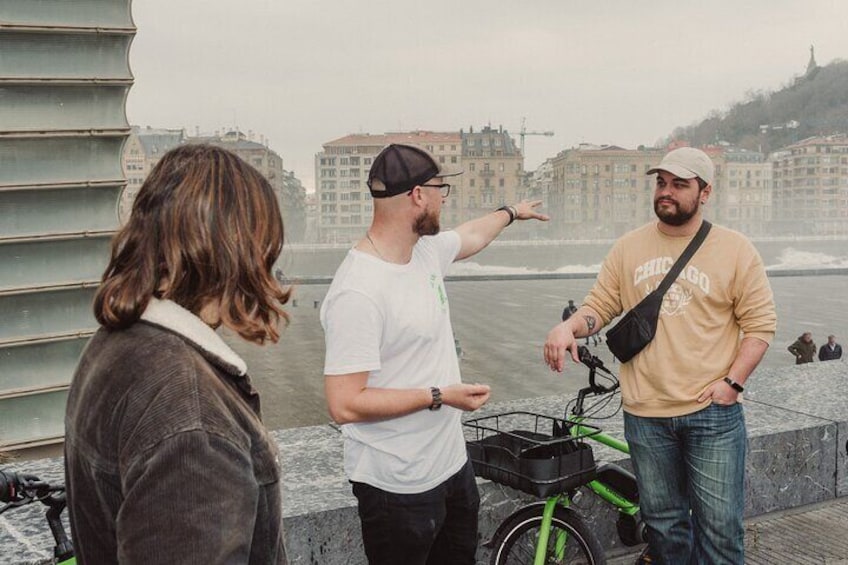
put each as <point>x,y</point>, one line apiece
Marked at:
<point>530,452</point>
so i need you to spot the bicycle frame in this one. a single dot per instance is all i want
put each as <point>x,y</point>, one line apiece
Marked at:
<point>601,489</point>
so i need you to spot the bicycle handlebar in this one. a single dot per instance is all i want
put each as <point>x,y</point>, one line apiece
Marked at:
<point>594,387</point>
<point>23,488</point>
<point>18,489</point>
<point>594,364</point>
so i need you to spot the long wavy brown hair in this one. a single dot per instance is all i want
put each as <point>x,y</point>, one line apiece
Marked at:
<point>205,229</point>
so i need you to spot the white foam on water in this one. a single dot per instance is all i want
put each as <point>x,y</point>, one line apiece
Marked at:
<point>791,258</point>
<point>472,268</point>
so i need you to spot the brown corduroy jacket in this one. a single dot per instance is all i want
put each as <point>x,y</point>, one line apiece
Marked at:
<point>166,458</point>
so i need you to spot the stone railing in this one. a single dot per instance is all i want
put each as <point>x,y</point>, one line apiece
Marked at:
<point>797,421</point>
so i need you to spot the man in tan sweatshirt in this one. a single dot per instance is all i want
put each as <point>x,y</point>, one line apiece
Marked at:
<point>683,422</point>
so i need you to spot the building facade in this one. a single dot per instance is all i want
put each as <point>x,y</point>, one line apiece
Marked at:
<point>600,191</point>
<point>745,196</point>
<point>142,150</point>
<point>493,176</point>
<point>344,205</point>
<point>146,146</point>
<point>810,193</point>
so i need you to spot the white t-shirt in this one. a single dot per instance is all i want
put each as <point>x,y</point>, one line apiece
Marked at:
<point>393,321</point>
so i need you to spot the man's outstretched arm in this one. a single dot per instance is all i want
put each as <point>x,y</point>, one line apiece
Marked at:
<point>478,233</point>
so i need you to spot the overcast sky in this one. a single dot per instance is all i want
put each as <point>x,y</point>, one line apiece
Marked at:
<point>304,72</point>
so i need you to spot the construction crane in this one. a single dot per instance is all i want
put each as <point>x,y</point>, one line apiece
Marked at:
<point>524,132</point>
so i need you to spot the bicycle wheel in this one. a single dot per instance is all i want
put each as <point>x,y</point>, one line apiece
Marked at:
<point>515,541</point>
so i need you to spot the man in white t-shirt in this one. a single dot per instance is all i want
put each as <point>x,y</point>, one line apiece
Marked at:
<point>391,371</point>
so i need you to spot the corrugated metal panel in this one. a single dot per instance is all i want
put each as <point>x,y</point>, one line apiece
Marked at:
<point>64,55</point>
<point>46,315</point>
<point>33,419</point>
<point>25,213</point>
<point>55,160</point>
<point>80,13</point>
<point>33,108</point>
<point>64,78</point>
<point>32,265</point>
<point>38,366</point>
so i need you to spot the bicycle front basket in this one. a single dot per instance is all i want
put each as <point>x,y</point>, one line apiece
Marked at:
<point>541,461</point>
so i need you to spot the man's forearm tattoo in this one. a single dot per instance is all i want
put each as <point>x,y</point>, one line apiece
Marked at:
<point>590,323</point>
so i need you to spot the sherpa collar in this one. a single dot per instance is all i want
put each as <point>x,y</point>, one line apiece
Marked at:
<point>174,317</point>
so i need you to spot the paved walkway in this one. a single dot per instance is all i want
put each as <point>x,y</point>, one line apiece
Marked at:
<point>808,535</point>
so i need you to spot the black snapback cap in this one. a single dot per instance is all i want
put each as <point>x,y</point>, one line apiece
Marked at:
<point>399,168</point>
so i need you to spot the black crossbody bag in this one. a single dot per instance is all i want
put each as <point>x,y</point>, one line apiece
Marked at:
<point>637,328</point>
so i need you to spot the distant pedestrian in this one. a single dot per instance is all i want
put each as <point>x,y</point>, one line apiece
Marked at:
<point>803,349</point>
<point>568,310</point>
<point>830,351</point>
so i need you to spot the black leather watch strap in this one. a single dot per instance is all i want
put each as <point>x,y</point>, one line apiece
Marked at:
<point>734,385</point>
<point>510,211</point>
<point>437,398</point>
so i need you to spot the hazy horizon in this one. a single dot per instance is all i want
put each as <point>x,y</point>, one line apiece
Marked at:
<point>302,74</point>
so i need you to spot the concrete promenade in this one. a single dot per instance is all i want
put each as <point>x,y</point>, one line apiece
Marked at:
<point>797,423</point>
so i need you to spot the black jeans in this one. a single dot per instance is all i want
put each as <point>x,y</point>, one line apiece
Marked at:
<point>436,527</point>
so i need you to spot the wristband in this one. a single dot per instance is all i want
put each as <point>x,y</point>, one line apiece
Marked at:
<point>437,398</point>
<point>509,210</point>
<point>734,385</point>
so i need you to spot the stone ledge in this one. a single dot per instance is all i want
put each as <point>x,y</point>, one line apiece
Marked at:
<point>796,456</point>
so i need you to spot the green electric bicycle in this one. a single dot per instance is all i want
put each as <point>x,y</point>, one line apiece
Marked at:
<point>551,458</point>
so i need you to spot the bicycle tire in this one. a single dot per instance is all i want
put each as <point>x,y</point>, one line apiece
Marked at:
<point>515,541</point>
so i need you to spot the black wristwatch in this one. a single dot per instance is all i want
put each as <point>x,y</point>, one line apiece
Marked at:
<point>437,398</point>
<point>734,385</point>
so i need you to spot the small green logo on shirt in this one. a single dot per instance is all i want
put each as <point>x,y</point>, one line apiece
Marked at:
<point>437,285</point>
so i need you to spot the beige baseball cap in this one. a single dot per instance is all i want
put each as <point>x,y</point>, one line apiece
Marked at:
<point>687,163</point>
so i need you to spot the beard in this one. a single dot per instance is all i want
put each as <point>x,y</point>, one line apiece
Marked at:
<point>675,215</point>
<point>426,224</point>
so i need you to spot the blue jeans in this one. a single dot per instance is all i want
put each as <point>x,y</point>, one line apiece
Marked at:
<point>691,475</point>
<point>436,527</point>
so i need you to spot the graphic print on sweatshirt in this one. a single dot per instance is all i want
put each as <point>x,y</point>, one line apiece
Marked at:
<point>650,274</point>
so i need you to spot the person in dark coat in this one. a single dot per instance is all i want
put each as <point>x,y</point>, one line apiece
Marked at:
<point>830,351</point>
<point>803,349</point>
<point>166,456</point>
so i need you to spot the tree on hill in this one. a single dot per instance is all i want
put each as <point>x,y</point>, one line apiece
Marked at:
<point>815,104</point>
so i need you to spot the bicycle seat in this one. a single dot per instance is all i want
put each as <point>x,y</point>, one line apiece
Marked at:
<point>619,479</point>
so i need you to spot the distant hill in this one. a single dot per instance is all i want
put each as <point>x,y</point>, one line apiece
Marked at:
<point>814,104</point>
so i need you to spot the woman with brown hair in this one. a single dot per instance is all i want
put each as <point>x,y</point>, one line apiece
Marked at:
<point>166,457</point>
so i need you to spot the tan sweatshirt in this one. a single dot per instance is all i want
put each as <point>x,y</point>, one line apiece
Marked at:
<point>721,295</point>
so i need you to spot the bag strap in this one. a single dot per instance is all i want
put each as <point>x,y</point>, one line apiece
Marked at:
<point>684,258</point>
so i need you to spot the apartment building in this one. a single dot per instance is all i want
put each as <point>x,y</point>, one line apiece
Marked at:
<point>494,175</point>
<point>145,146</point>
<point>744,195</point>
<point>142,150</point>
<point>341,171</point>
<point>600,191</point>
<point>810,192</point>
